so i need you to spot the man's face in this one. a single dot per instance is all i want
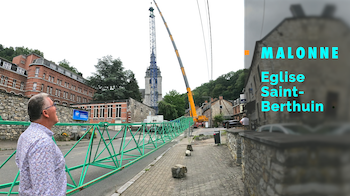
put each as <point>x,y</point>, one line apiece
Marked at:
<point>51,111</point>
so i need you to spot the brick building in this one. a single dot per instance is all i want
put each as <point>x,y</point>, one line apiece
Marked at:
<point>116,111</point>
<point>32,74</point>
<point>12,78</point>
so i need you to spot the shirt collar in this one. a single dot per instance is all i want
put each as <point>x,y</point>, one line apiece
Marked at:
<point>42,128</point>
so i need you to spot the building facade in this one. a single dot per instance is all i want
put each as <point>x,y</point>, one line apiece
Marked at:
<point>13,78</point>
<point>32,74</point>
<point>116,111</point>
<point>148,85</point>
<point>325,79</point>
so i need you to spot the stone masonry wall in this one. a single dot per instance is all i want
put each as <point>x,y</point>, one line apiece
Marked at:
<point>14,108</point>
<point>233,141</point>
<point>296,170</point>
<point>139,111</point>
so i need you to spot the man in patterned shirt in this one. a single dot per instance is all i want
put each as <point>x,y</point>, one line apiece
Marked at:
<point>40,161</point>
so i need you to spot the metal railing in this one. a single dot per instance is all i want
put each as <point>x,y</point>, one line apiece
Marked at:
<point>130,143</point>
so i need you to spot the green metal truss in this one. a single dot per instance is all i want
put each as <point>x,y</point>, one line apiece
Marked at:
<point>135,141</point>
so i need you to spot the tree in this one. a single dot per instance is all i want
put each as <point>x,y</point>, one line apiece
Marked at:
<point>172,106</point>
<point>10,52</point>
<point>112,82</point>
<point>65,64</point>
<point>132,88</point>
<point>218,119</point>
<point>168,110</point>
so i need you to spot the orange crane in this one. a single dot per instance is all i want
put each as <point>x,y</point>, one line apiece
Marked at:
<point>193,112</point>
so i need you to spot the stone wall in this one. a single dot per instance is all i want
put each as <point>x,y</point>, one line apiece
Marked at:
<point>14,108</point>
<point>138,111</point>
<point>279,164</point>
<point>233,141</point>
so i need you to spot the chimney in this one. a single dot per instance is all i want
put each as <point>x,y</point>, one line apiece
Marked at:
<point>221,97</point>
<point>328,11</point>
<point>212,100</point>
<point>206,101</point>
<point>297,11</point>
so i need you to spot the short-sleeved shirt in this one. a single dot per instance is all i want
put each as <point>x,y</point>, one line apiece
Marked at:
<point>245,121</point>
<point>41,163</point>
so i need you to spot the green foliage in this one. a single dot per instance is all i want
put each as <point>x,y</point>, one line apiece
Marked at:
<point>10,52</point>
<point>229,86</point>
<point>172,106</point>
<point>65,64</point>
<point>112,82</point>
<point>218,119</point>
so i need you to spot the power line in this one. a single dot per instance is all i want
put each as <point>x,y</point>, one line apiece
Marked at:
<point>205,44</point>
<point>262,25</point>
<point>211,44</point>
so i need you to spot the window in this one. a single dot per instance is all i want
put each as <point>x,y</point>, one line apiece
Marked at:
<point>102,111</point>
<point>88,108</point>
<point>59,93</point>
<point>22,86</point>
<point>14,83</point>
<point>22,62</point>
<point>95,111</point>
<point>56,92</point>
<point>67,95</point>
<point>53,79</point>
<point>50,78</point>
<point>34,86</point>
<point>110,111</point>
<point>2,80</point>
<point>73,98</point>
<point>57,102</point>
<point>58,81</point>
<point>48,89</point>
<point>6,80</point>
<point>118,111</point>
<point>44,75</point>
<point>276,129</point>
<point>37,72</point>
<point>42,87</point>
<point>265,129</point>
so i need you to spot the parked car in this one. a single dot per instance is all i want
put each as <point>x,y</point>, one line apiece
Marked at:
<point>232,123</point>
<point>293,129</point>
<point>333,129</point>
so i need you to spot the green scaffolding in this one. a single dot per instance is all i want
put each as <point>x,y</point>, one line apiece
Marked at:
<point>135,141</point>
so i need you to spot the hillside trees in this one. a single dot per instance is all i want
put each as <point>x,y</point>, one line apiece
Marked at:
<point>228,85</point>
<point>65,64</point>
<point>172,106</point>
<point>10,52</point>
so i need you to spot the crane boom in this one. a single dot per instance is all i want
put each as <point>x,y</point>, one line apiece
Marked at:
<point>189,92</point>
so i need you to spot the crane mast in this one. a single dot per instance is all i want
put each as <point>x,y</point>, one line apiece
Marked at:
<point>153,66</point>
<point>193,111</point>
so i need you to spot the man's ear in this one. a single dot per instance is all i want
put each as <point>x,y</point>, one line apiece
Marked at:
<point>45,113</point>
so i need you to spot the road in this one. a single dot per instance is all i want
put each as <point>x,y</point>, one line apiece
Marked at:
<point>77,157</point>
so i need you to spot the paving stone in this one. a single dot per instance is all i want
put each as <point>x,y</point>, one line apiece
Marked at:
<point>211,171</point>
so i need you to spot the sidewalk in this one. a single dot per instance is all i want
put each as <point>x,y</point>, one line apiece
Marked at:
<point>210,171</point>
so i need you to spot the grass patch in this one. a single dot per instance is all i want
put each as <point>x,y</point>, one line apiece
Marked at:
<point>146,169</point>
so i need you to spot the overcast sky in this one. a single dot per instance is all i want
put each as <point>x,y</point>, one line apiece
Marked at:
<point>84,31</point>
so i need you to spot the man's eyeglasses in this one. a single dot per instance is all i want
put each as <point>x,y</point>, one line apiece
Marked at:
<point>54,104</point>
